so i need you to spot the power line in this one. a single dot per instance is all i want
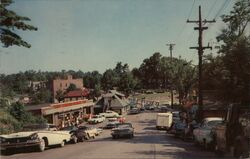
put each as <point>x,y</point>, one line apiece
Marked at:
<point>223,6</point>
<point>184,26</point>
<point>211,8</point>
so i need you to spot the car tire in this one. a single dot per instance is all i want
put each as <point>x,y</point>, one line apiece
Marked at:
<point>87,137</point>
<point>62,144</point>
<point>42,145</point>
<point>74,139</point>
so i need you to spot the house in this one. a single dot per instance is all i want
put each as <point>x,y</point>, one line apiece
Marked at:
<point>112,100</point>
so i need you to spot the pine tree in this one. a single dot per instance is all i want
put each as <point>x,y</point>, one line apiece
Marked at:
<point>9,21</point>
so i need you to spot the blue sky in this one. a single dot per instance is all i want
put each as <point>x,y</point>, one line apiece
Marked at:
<point>92,35</point>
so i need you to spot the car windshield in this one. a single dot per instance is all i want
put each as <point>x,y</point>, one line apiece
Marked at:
<point>126,125</point>
<point>214,123</point>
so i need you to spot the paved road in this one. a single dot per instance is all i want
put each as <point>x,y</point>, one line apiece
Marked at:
<point>148,143</point>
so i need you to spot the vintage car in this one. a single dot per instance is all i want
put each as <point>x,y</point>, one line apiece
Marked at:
<point>109,114</point>
<point>134,111</point>
<point>123,130</point>
<point>38,136</point>
<point>84,132</point>
<point>149,107</point>
<point>111,125</point>
<point>96,119</point>
<point>203,134</point>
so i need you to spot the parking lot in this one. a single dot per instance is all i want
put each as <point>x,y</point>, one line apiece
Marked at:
<point>147,143</point>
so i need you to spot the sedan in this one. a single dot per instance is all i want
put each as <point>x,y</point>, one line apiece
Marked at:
<point>203,135</point>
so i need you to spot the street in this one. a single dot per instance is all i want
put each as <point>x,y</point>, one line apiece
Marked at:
<point>147,143</point>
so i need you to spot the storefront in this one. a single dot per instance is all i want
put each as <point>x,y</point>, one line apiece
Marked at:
<point>64,114</point>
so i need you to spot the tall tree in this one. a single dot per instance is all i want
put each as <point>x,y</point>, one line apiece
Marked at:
<point>9,21</point>
<point>235,54</point>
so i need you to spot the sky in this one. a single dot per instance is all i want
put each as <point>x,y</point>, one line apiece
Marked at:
<point>93,35</point>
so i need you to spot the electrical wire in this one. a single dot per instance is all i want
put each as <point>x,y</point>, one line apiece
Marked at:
<point>184,26</point>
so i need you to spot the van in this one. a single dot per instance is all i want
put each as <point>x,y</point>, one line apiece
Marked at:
<point>164,121</point>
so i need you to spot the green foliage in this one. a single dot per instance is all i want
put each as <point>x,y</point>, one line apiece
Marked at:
<point>14,116</point>
<point>41,96</point>
<point>71,87</point>
<point>229,72</point>
<point>9,21</point>
<point>59,95</point>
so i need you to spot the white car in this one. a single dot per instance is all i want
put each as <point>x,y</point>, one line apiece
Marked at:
<point>202,134</point>
<point>96,119</point>
<point>40,138</point>
<point>109,114</point>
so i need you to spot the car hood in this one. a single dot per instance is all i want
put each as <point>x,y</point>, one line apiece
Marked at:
<point>19,134</point>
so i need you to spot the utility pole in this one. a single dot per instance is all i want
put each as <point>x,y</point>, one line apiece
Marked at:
<point>171,46</point>
<point>200,49</point>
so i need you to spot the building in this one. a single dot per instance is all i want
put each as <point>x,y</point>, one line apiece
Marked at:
<point>76,95</point>
<point>112,100</point>
<point>63,114</point>
<point>36,85</point>
<point>63,85</point>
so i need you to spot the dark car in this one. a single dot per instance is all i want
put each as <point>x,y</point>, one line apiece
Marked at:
<point>123,130</point>
<point>134,111</point>
<point>111,125</point>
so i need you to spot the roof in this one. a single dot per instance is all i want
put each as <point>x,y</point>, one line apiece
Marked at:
<point>117,102</point>
<point>77,93</point>
<point>116,93</point>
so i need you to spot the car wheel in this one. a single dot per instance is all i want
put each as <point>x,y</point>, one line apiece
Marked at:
<point>74,139</point>
<point>62,144</point>
<point>41,146</point>
<point>87,137</point>
<point>93,137</point>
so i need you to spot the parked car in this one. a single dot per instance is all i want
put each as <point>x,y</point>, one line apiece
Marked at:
<point>71,129</point>
<point>178,129</point>
<point>176,116</point>
<point>123,130</point>
<point>134,111</point>
<point>149,107</point>
<point>96,119</point>
<point>203,134</point>
<point>39,137</point>
<point>111,125</point>
<point>109,114</point>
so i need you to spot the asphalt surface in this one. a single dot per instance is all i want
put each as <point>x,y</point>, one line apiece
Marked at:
<point>148,143</point>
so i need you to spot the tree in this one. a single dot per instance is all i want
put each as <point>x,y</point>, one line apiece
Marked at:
<point>71,87</point>
<point>59,95</point>
<point>9,21</point>
<point>235,55</point>
<point>108,80</point>
<point>41,96</point>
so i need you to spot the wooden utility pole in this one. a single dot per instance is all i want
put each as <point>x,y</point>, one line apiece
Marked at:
<point>200,49</point>
<point>171,46</point>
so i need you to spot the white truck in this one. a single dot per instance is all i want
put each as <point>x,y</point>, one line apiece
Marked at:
<point>164,120</point>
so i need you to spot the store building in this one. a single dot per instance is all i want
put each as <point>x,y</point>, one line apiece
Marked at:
<point>64,114</point>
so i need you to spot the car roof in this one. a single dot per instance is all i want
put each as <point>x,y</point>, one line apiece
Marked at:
<point>213,118</point>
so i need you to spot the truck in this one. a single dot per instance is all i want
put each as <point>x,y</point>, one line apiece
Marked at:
<point>233,135</point>
<point>164,121</point>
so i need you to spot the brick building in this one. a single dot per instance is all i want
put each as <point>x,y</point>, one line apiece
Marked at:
<point>63,84</point>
